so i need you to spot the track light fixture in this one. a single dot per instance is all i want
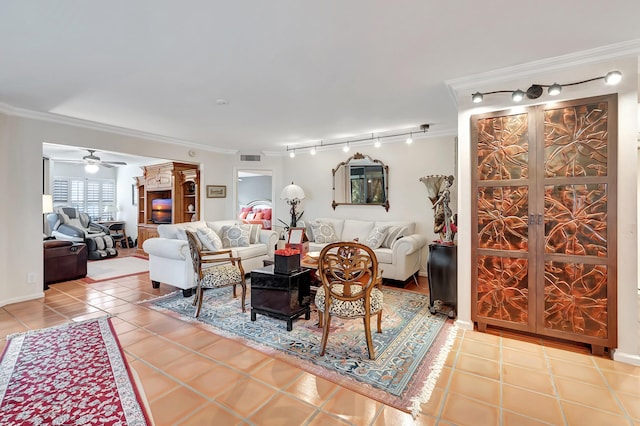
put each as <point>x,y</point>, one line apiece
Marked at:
<point>313,149</point>
<point>536,90</point>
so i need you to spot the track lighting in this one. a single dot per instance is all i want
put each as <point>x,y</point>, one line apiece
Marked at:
<point>536,90</point>
<point>613,78</point>
<point>554,89</point>
<point>313,149</point>
<point>410,139</point>
<point>517,96</point>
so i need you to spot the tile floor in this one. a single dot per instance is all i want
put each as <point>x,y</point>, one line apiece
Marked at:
<point>193,377</point>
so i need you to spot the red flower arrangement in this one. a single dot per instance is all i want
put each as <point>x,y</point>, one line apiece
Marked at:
<point>287,252</point>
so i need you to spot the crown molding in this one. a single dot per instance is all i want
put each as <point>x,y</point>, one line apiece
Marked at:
<point>531,69</point>
<point>92,125</point>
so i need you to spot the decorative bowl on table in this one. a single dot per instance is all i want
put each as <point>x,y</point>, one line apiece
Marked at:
<point>312,257</point>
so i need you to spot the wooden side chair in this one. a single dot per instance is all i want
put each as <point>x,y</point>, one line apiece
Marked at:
<point>226,270</point>
<point>350,288</point>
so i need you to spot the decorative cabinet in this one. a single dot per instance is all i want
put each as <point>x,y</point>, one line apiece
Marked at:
<point>167,193</point>
<point>544,212</point>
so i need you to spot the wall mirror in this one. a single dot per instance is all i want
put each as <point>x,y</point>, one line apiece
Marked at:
<point>361,180</point>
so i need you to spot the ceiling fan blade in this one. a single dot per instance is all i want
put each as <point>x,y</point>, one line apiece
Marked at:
<point>115,163</point>
<point>108,166</point>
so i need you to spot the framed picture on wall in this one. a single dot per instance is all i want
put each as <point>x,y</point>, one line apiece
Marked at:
<point>216,191</point>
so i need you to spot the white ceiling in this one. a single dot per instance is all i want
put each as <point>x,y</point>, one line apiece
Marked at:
<point>292,71</point>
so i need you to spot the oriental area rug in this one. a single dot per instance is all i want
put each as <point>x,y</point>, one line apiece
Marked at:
<point>410,351</point>
<point>74,374</point>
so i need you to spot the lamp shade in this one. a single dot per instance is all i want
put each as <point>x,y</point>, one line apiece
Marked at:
<point>292,192</point>
<point>47,203</point>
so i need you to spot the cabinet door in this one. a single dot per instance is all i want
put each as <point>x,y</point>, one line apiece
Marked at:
<point>502,246</point>
<point>545,197</point>
<point>579,227</point>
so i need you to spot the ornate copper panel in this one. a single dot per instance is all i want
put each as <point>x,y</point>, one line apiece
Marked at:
<point>576,219</point>
<point>503,288</point>
<point>575,140</point>
<point>575,298</point>
<point>503,148</point>
<point>502,218</point>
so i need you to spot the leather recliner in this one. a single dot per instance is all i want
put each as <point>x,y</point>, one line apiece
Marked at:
<point>68,224</point>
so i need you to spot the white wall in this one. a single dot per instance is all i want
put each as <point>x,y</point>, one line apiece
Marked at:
<point>628,344</point>
<point>407,196</point>
<point>21,187</point>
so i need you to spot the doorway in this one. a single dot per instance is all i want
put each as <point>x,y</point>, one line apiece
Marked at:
<point>254,195</point>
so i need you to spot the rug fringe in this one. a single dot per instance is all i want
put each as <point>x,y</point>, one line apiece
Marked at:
<point>429,384</point>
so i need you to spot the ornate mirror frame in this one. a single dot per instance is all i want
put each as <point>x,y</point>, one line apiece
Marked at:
<point>344,179</point>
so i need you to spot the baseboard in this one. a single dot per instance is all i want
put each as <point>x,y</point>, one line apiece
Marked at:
<point>464,325</point>
<point>22,298</point>
<point>627,358</point>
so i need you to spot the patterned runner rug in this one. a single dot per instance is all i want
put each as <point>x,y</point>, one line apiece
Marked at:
<point>74,374</point>
<point>410,351</point>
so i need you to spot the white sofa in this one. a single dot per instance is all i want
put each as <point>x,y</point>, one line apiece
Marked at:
<point>170,260</point>
<point>398,260</point>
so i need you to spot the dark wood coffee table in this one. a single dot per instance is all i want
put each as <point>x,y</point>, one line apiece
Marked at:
<point>282,296</point>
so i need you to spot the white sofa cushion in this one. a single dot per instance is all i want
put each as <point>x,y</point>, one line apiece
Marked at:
<point>209,239</point>
<point>234,236</point>
<point>218,224</point>
<point>353,229</point>
<point>376,237</point>
<point>338,224</point>
<point>393,233</point>
<point>171,230</point>
<point>253,250</point>
<point>254,232</point>
<point>323,232</point>
<point>408,224</point>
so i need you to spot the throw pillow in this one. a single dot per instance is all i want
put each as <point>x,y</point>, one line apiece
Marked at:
<point>182,235</point>
<point>376,237</point>
<point>393,233</point>
<point>324,232</point>
<point>254,232</point>
<point>209,239</point>
<point>234,236</point>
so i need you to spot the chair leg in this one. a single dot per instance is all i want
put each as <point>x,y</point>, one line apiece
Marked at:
<point>325,333</point>
<point>196,295</point>
<point>380,321</point>
<point>244,293</point>
<point>234,290</point>
<point>199,293</point>
<point>367,331</point>
<point>320,319</point>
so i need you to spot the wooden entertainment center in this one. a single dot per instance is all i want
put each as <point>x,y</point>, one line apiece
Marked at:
<point>178,186</point>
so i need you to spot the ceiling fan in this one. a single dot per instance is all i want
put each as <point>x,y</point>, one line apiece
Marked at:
<point>94,159</point>
<point>92,162</point>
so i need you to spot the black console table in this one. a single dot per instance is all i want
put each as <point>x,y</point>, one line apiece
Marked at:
<point>283,296</point>
<point>442,270</point>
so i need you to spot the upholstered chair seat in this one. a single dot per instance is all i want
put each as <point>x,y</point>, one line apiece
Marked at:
<point>220,276</point>
<point>350,308</point>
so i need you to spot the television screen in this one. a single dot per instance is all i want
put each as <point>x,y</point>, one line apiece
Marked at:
<point>161,210</point>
